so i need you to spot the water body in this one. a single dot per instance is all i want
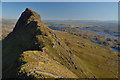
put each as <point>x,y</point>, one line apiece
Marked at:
<point>95,36</point>
<point>62,24</point>
<point>54,28</point>
<point>113,49</point>
<point>108,35</point>
<point>95,42</point>
<point>100,33</point>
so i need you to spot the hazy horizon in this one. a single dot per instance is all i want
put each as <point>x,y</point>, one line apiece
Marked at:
<point>70,20</point>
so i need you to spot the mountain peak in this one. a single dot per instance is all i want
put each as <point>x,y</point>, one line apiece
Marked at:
<point>31,12</point>
<point>28,17</point>
<point>28,9</point>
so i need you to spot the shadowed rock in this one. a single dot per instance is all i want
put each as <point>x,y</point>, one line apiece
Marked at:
<point>22,38</point>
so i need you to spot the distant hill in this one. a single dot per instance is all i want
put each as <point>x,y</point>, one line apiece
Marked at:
<point>8,21</point>
<point>32,50</point>
<point>7,26</point>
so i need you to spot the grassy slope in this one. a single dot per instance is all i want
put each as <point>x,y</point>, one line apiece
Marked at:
<point>39,61</point>
<point>83,59</point>
<point>99,60</point>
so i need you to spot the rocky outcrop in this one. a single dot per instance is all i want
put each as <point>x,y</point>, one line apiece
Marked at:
<point>30,34</point>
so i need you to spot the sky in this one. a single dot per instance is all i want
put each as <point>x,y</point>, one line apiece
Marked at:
<point>63,10</point>
<point>60,0</point>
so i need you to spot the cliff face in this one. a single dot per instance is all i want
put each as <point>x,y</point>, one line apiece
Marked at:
<point>34,50</point>
<point>31,37</point>
<point>20,39</point>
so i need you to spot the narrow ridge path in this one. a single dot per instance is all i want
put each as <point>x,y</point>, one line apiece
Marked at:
<point>51,74</point>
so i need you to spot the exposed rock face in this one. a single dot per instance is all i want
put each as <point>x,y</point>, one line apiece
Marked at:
<point>30,34</point>
<point>27,16</point>
<point>32,50</point>
<point>22,38</point>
